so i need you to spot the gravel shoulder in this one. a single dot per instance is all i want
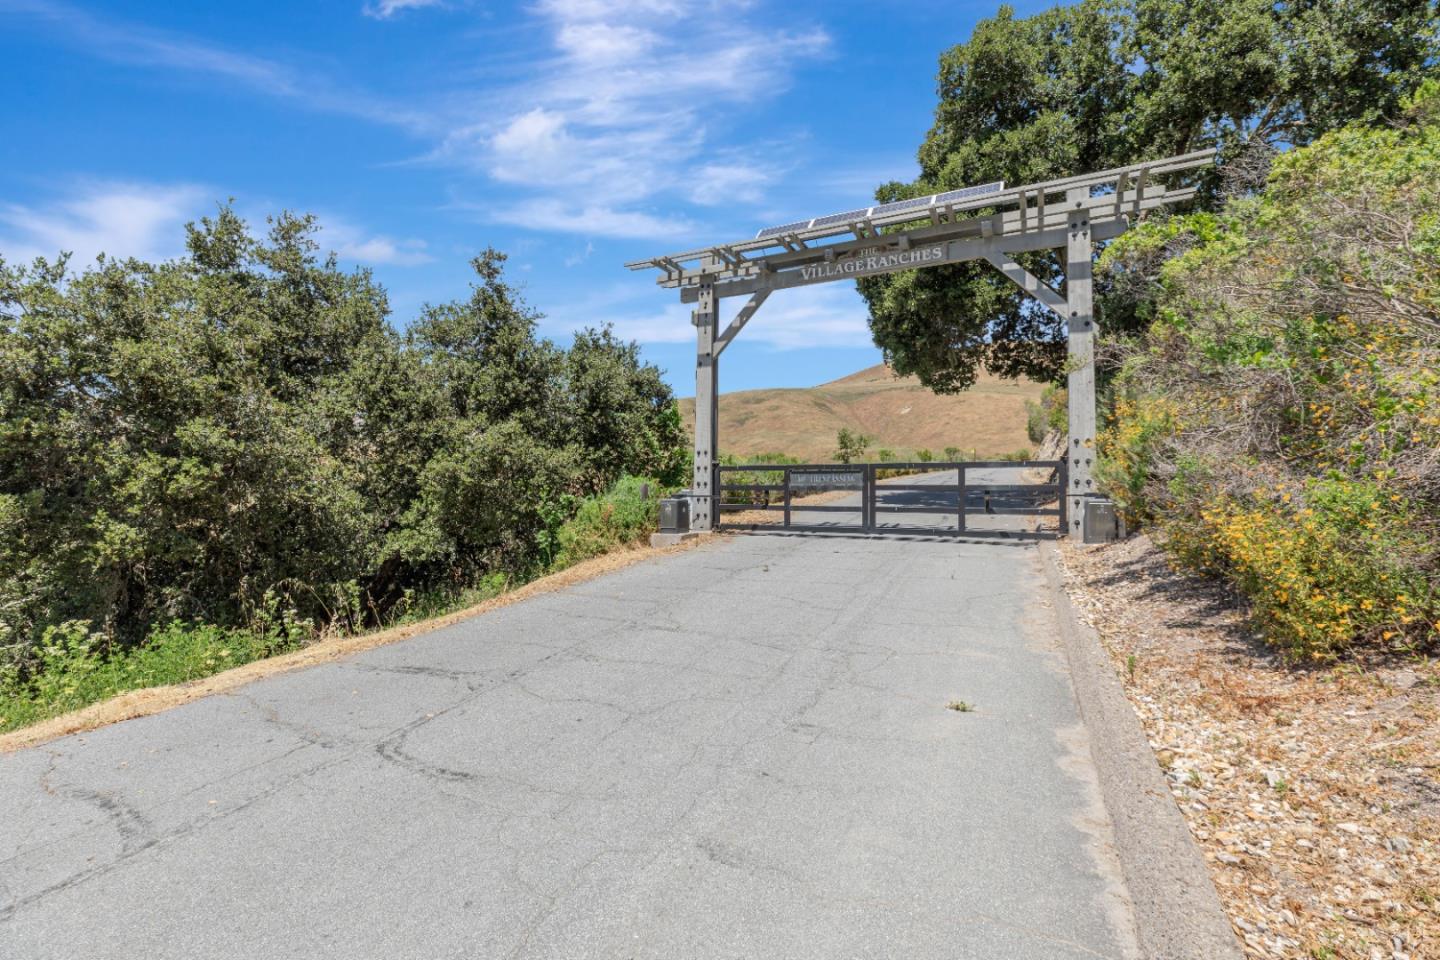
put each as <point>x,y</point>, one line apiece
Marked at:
<point>1314,793</point>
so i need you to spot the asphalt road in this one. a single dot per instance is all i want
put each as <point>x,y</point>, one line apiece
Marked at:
<point>740,751</point>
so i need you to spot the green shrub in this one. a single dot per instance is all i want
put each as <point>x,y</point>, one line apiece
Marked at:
<point>242,426</point>
<point>1280,420</point>
<point>776,476</point>
<point>76,666</point>
<point>438,601</point>
<point>1051,413</point>
<point>626,513</point>
<point>1140,429</point>
<point>779,459</point>
<point>850,445</point>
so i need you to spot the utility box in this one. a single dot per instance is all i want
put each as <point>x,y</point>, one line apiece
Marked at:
<point>675,514</point>
<point>1101,522</point>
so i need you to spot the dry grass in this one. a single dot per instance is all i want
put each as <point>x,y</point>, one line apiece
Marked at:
<point>899,413</point>
<point>143,703</point>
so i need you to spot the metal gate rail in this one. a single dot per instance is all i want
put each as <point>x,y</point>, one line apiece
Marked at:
<point>816,477</point>
<point>778,485</point>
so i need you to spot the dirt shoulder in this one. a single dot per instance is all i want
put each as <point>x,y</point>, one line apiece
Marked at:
<point>1314,794</point>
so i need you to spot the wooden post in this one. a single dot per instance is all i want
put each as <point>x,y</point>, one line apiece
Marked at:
<point>705,503</point>
<point>1080,450</point>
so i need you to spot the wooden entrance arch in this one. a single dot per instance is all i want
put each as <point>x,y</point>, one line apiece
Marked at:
<point>990,222</point>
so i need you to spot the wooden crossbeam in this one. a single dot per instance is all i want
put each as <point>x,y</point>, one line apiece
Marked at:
<point>954,251</point>
<point>1027,281</point>
<point>741,318</point>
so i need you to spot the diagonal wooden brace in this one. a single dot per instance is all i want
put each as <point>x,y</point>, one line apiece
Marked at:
<point>1028,282</point>
<point>741,318</point>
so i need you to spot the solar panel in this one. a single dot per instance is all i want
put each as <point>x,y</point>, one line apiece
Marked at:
<point>965,193</point>
<point>850,216</point>
<point>939,199</point>
<point>778,231</point>
<point>896,206</point>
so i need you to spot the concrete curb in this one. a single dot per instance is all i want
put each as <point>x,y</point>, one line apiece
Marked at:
<point>1177,912</point>
<point>662,540</point>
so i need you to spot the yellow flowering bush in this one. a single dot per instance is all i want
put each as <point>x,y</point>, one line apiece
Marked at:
<point>1324,566</point>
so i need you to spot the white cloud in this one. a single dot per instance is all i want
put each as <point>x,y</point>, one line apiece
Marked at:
<point>383,250</point>
<point>598,43</point>
<point>670,325</point>
<point>352,243</point>
<point>625,112</point>
<point>576,259</point>
<point>147,221</point>
<point>599,220</point>
<point>828,315</point>
<point>532,148</point>
<point>718,183</point>
<point>386,9</point>
<point>831,315</point>
<point>609,9</point>
<point>117,219</point>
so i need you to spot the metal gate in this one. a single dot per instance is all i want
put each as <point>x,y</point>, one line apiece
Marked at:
<point>974,498</point>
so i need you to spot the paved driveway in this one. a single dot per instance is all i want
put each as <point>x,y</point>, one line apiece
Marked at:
<point>741,751</point>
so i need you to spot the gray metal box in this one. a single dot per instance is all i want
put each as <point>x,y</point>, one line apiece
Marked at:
<point>1102,522</point>
<point>675,515</point>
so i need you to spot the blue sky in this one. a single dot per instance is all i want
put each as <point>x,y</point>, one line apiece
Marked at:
<point>573,134</point>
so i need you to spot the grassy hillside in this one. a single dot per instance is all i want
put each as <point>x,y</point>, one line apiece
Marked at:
<point>900,413</point>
